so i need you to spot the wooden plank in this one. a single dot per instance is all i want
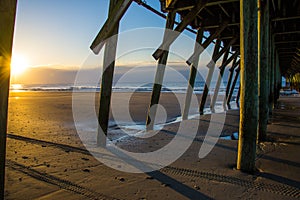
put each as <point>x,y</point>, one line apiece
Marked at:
<point>7,23</point>
<point>263,64</point>
<point>249,86</point>
<point>161,66</point>
<point>107,79</point>
<point>192,77</point>
<point>111,23</point>
<point>180,27</point>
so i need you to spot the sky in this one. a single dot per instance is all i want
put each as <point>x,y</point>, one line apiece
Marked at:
<point>57,34</point>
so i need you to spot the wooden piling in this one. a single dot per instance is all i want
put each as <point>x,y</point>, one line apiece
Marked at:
<point>278,79</point>
<point>225,62</point>
<point>216,55</point>
<point>228,86</point>
<point>192,77</point>
<point>7,24</point>
<point>209,76</point>
<point>107,79</point>
<point>249,86</point>
<point>217,87</point>
<point>271,74</point>
<point>263,63</point>
<point>193,61</point>
<point>237,73</point>
<point>238,97</point>
<point>161,66</point>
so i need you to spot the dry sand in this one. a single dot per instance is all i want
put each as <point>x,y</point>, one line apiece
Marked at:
<point>46,159</point>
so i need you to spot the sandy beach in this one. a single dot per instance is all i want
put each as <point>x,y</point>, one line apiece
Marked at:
<point>47,160</point>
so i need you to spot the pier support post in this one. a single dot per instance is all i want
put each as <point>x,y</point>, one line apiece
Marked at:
<point>263,63</point>
<point>216,55</point>
<point>193,61</point>
<point>161,66</point>
<point>238,97</point>
<point>107,79</point>
<point>278,79</point>
<point>237,73</point>
<point>211,68</point>
<point>225,62</point>
<point>7,24</point>
<point>228,86</point>
<point>192,77</point>
<point>217,87</point>
<point>271,83</point>
<point>249,86</point>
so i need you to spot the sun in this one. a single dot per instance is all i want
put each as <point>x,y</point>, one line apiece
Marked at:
<point>19,64</point>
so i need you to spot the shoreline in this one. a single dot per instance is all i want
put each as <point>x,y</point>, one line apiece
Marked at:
<point>46,159</point>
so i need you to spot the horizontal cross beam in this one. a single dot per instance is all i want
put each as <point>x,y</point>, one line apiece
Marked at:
<point>110,24</point>
<point>180,27</point>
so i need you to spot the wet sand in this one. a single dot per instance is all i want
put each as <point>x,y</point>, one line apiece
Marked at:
<point>46,159</point>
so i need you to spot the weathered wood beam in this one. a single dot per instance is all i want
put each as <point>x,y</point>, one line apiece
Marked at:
<point>225,62</point>
<point>194,66</point>
<point>288,41</point>
<point>249,86</point>
<point>224,10</point>
<point>212,26</point>
<point>238,96</point>
<point>7,24</point>
<point>234,56</point>
<point>187,5</point>
<point>271,73</point>
<point>107,78</point>
<point>170,4</point>
<point>277,79</point>
<point>159,75</point>
<point>287,32</point>
<point>211,69</point>
<point>231,72</point>
<point>217,87</point>
<point>211,65</point>
<point>209,12</point>
<point>237,73</point>
<point>263,65</point>
<point>214,3</point>
<point>193,74</point>
<point>287,53</point>
<point>207,42</point>
<point>180,27</point>
<point>111,23</point>
<point>285,18</point>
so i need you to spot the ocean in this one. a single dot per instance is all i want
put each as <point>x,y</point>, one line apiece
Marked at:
<point>175,87</point>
